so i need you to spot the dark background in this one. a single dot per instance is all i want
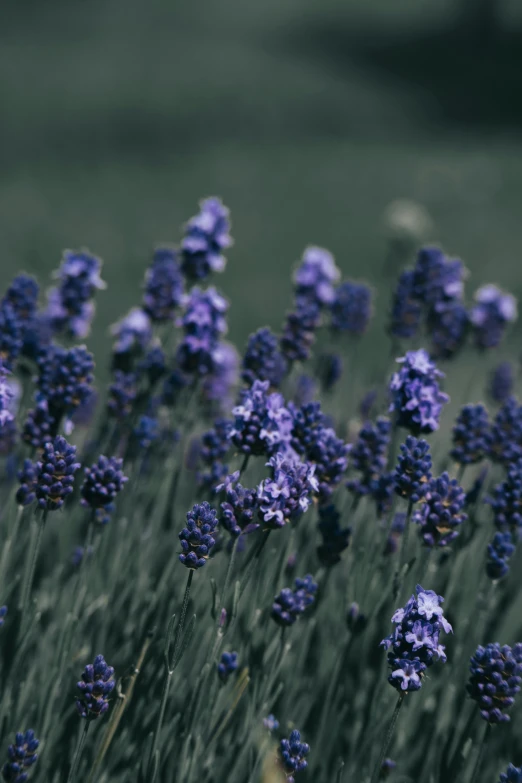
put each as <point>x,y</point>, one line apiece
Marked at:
<point>308,117</point>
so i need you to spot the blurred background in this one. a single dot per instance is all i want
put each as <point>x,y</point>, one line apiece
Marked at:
<point>308,118</point>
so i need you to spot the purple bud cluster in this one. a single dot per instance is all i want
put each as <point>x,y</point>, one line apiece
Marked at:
<point>103,482</point>
<point>315,277</point>
<point>293,754</point>
<point>287,494</point>
<point>406,312</point>
<point>440,515</point>
<point>227,665</point>
<point>132,335</point>
<point>22,295</point>
<point>38,426</point>
<point>495,679</point>
<point>506,433</point>
<point>219,385</point>
<point>299,331</point>
<point>368,455</point>
<point>506,500</point>
<point>500,550</point>
<point>511,775</point>
<point>11,333</point>
<point>262,360</point>
<point>26,492</point>
<point>416,398</point>
<point>492,312</point>
<point>6,399</point>
<point>414,644</point>
<point>471,435</point>
<point>203,323</point>
<point>122,394</point>
<point>197,536</point>
<point>65,379</point>
<point>351,309</point>
<point>54,477</point>
<point>214,445</point>
<point>290,604</point>
<point>501,382</point>
<point>239,507</point>
<point>95,687</point>
<point>70,306</point>
<point>206,236</point>
<point>262,423</point>
<point>22,756</point>
<point>413,471</point>
<point>163,285</point>
<point>335,539</point>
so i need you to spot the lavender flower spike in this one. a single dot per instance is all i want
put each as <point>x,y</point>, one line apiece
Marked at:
<point>315,277</point>
<point>103,482</point>
<point>496,677</point>
<point>197,537</point>
<point>22,756</point>
<point>416,398</point>
<point>511,775</point>
<point>293,755</point>
<point>95,687</point>
<point>287,495</point>
<point>206,236</point>
<point>493,311</point>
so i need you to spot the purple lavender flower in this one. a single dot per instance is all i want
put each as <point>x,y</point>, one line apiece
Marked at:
<point>262,423</point>
<point>293,753</point>
<point>334,538</point>
<point>163,285</point>
<point>437,279</point>
<point>290,604</point>
<point>214,445</point>
<point>203,323</point>
<point>38,426</point>
<point>227,665</point>
<point>22,756</point>
<point>132,334</point>
<point>309,423</point>
<point>299,331</point>
<point>6,397</point>
<point>239,507</point>
<point>511,775</point>
<point>330,456</point>
<point>146,431</point>
<point>440,515</point>
<point>506,500</point>
<point>500,550</point>
<point>11,333</point>
<point>65,380</point>
<point>329,370</point>
<point>55,474</point>
<point>122,394</point>
<point>351,308</point>
<point>448,326</point>
<point>501,382</point>
<point>70,306</point>
<point>287,494</point>
<point>491,314</point>
<point>413,471</point>
<point>496,676</point>
<point>26,492</point>
<point>368,455</point>
<point>37,335</point>
<point>22,295</point>
<point>153,364</point>
<point>220,384</point>
<point>315,277</point>
<point>416,398</point>
<point>196,538</point>
<point>174,383</point>
<point>506,433</point>
<point>206,236</point>
<point>414,644</point>
<point>262,360</point>
<point>95,687</point>
<point>406,311</point>
<point>271,723</point>
<point>103,482</point>
<point>3,613</point>
<point>471,435</point>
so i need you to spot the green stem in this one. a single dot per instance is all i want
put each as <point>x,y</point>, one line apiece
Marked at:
<point>483,745</point>
<point>31,565</point>
<point>387,739</point>
<point>79,751</point>
<point>177,641</point>
<point>399,575</point>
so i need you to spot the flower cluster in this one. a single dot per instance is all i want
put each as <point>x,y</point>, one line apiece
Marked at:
<point>38,426</point>
<point>406,311</point>
<point>334,538</point>
<point>416,398</point>
<point>414,644</point>
<point>506,500</point>
<point>196,538</point>
<point>70,307</point>
<point>95,687</point>
<point>65,379</point>
<point>262,423</point>
<point>132,335</point>
<point>440,516</point>
<point>54,476</point>
<point>495,679</point>
<point>289,604</point>
<point>103,482</point>
<point>6,398</point>
<point>122,394</point>
<point>506,433</point>
<point>163,285</point>
<point>368,455</point>
<point>501,382</point>
<point>287,494</point>
<point>262,360</point>
<point>11,331</point>
<point>26,492</point>
<point>299,330</point>
<point>206,236</point>
<point>203,323</point>
<point>471,435</point>
<point>22,295</point>
<point>212,448</point>
<point>22,756</point>
<point>329,455</point>
<point>511,775</point>
<point>413,471</point>
<point>227,665</point>
<point>239,507</point>
<point>293,755</point>
<point>315,277</point>
<point>500,550</point>
<point>220,383</point>
<point>351,309</point>
<point>492,312</point>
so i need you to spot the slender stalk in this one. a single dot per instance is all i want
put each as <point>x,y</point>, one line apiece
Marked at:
<point>387,739</point>
<point>31,565</point>
<point>177,641</point>
<point>483,745</point>
<point>244,465</point>
<point>79,751</point>
<point>399,575</point>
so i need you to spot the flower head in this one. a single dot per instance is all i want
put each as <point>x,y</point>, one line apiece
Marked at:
<point>293,754</point>
<point>471,435</point>
<point>406,310</point>
<point>163,285</point>
<point>501,382</point>
<point>495,679</point>
<point>271,723</point>
<point>448,326</point>
<point>437,279</point>
<point>103,482</point>
<point>290,604</point>
<point>122,394</point>
<point>11,334</point>
<point>227,665</point>
<point>299,330</point>
<point>70,305</point>
<point>440,516</point>
<point>511,775</point>
<point>55,474</point>
<point>206,236</point>
<point>95,687</point>
<point>491,314</point>
<point>38,426</point>
<point>351,308</point>
<point>506,500</point>
<point>500,550</point>
<point>239,507</point>
<point>132,335</point>
<point>413,471</point>
<point>416,398</point>
<point>329,454</point>
<point>22,756</point>
<point>262,360</point>
<point>506,433</point>
<point>203,322</point>
<point>22,295</point>
<point>287,494</point>
<point>315,277</point>
<point>65,379</point>
<point>197,536</point>
<point>368,455</point>
<point>262,422</point>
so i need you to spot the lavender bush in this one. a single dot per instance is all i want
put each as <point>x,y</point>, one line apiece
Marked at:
<point>236,543</point>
